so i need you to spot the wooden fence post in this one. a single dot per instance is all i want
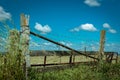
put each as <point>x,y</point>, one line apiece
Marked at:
<point>25,32</point>
<point>85,51</point>
<point>116,57</point>
<point>45,60</point>
<point>102,42</point>
<point>70,60</point>
<point>73,57</point>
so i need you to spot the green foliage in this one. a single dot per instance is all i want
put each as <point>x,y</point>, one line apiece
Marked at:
<point>81,72</point>
<point>33,75</point>
<point>110,71</point>
<point>11,63</point>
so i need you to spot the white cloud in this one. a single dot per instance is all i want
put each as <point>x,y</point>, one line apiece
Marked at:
<point>75,29</point>
<point>66,43</point>
<point>112,31</point>
<point>47,44</point>
<point>34,44</point>
<point>92,3</point>
<point>110,44</point>
<point>4,15</point>
<point>106,25</point>
<point>43,29</point>
<point>86,27</point>
<point>69,44</point>
<point>62,42</point>
<point>93,48</point>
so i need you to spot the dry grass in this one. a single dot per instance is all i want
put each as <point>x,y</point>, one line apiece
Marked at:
<point>62,59</point>
<point>57,59</point>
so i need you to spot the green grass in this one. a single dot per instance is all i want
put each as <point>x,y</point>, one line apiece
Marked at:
<point>81,72</point>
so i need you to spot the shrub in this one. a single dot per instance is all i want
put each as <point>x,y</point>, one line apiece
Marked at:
<point>12,62</point>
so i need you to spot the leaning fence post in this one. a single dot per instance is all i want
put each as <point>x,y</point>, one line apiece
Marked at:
<point>25,32</point>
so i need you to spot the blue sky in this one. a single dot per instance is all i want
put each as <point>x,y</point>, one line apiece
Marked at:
<point>75,23</point>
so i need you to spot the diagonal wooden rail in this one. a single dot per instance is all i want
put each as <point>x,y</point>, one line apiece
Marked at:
<point>52,41</point>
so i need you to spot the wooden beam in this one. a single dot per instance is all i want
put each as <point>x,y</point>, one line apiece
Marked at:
<point>88,62</point>
<point>45,58</point>
<point>62,45</point>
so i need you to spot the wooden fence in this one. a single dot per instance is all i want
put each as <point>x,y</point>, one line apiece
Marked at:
<point>109,57</point>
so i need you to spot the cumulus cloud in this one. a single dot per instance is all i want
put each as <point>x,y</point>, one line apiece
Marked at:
<point>94,48</point>
<point>110,44</point>
<point>34,44</point>
<point>43,45</point>
<point>4,15</point>
<point>43,29</point>
<point>69,44</point>
<point>106,25</point>
<point>66,43</point>
<point>86,27</point>
<point>92,3</point>
<point>47,44</point>
<point>62,42</point>
<point>53,46</point>
<point>75,29</point>
<point>112,31</point>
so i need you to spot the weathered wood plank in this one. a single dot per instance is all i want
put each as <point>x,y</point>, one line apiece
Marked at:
<point>62,45</point>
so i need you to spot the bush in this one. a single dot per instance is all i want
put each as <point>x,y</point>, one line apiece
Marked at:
<point>110,71</point>
<point>11,63</point>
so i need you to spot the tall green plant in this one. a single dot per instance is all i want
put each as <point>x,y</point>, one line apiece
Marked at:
<point>11,63</point>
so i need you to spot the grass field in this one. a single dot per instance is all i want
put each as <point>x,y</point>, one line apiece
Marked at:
<point>58,59</point>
